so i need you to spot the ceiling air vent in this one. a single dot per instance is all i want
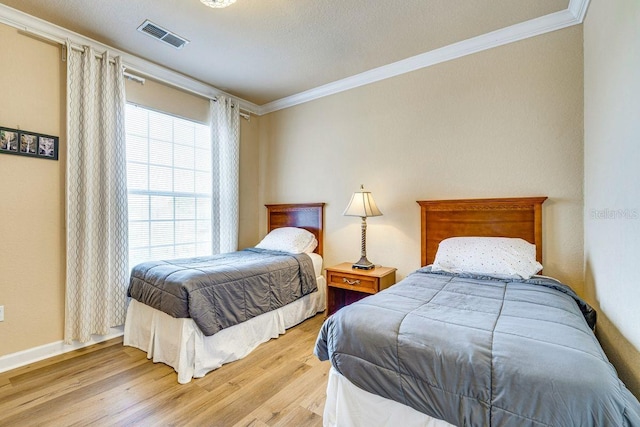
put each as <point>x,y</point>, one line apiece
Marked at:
<point>163,35</point>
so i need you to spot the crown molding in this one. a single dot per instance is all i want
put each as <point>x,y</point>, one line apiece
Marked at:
<point>578,9</point>
<point>573,15</point>
<point>48,31</point>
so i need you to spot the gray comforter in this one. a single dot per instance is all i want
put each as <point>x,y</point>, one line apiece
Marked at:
<point>223,290</point>
<point>480,352</point>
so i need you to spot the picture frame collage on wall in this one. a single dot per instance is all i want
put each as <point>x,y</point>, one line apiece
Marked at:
<point>30,144</point>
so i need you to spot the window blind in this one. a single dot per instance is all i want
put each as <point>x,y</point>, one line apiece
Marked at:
<point>169,186</point>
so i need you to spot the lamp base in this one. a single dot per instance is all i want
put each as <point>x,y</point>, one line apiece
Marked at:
<point>364,264</point>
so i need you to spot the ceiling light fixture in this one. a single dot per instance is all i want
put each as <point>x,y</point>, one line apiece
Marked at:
<point>218,3</point>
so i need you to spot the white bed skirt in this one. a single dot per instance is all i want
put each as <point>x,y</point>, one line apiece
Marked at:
<point>180,344</point>
<point>349,406</point>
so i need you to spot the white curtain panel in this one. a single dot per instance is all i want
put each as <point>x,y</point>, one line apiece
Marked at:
<point>96,196</point>
<point>225,152</point>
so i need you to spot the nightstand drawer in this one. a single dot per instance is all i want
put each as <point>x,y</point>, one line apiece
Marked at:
<point>353,282</point>
<point>346,285</point>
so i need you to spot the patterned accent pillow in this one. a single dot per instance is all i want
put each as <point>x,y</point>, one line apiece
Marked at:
<point>500,257</point>
<point>289,239</point>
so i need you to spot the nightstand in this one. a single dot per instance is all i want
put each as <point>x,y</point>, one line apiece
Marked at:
<point>346,284</point>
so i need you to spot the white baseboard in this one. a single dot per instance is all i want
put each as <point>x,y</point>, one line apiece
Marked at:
<point>32,355</point>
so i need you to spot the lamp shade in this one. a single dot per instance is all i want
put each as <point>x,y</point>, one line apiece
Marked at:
<point>362,205</point>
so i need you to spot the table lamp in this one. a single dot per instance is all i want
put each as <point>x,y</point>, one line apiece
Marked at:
<point>362,205</point>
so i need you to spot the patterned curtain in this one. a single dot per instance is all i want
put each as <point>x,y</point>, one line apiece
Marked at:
<point>96,196</point>
<point>225,142</point>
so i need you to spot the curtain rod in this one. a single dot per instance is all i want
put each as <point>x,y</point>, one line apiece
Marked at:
<point>133,77</point>
<point>243,115</point>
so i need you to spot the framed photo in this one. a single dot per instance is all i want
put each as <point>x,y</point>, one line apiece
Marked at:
<point>31,144</point>
<point>28,143</point>
<point>48,147</point>
<point>9,140</point>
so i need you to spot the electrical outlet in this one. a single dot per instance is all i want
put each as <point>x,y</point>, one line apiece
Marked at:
<point>1,313</point>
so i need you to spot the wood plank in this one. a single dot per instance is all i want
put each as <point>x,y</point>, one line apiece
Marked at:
<point>290,399</point>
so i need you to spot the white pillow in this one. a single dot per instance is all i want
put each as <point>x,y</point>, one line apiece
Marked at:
<point>500,257</point>
<point>311,246</point>
<point>289,239</point>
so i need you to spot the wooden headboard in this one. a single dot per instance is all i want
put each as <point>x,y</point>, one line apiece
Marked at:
<point>513,217</point>
<point>309,216</point>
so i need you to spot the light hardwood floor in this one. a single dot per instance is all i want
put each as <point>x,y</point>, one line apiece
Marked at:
<point>280,384</point>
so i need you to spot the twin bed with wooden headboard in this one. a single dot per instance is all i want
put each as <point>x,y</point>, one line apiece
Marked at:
<point>197,314</point>
<point>449,346</point>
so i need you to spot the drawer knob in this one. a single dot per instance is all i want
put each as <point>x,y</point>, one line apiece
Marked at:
<point>350,282</point>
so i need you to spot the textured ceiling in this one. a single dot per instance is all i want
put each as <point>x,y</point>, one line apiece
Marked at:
<point>265,50</point>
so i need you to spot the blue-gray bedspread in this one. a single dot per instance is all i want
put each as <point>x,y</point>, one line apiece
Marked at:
<point>477,351</point>
<point>223,290</point>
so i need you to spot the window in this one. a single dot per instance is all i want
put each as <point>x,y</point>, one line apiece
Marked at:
<point>169,186</point>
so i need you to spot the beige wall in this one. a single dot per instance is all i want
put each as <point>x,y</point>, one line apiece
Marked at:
<point>612,174</point>
<point>160,97</point>
<point>32,235</point>
<point>501,123</point>
<point>32,241</point>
